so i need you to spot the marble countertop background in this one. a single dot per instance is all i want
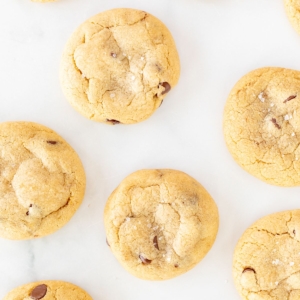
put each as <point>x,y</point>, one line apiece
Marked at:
<point>218,42</point>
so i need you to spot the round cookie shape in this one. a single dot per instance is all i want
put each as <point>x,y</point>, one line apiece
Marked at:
<point>160,223</point>
<point>48,290</point>
<point>266,264</point>
<point>118,66</point>
<point>292,8</point>
<point>262,125</point>
<point>42,181</point>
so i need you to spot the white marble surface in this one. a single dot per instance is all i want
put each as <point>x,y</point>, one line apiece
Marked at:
<point>218,42</point>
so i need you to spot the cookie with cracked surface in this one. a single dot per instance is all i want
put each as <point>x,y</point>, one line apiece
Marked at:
<point>48,290</point>
<point>262,125</point>
<point>292,8</point>
<point>266,262</point>
<point>160,223</point>
<point>42,181</point>
<point>118,66</point>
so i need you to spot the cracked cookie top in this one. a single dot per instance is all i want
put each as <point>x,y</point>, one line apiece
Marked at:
<point>42,181</point>
<point>262,125</point>
<point>118,66</point>
<point>266,264</point>
<point>48,290</point>
<point>160,223</point>
<point>292,8</point>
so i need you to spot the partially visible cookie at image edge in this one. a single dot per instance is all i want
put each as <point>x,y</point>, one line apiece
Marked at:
<point>42,181</point>
<point>48,290</point>
<point>118,66</point>
<point>266,264</point>
<point>160,223</point>
<point>292,8</point>
<point>262,125</point>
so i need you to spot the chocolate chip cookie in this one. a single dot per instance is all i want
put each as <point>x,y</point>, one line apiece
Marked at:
<point>118,66</point>
<point>262,125</point>
<point>42,181</point>
<point>160,223</point>
<point>48,290</point>
<point>266,263</point>
<point>292,8</point>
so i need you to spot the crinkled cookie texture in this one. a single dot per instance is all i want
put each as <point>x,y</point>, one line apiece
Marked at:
<point>160,223</point>
<point>292,8</point>
<point>42,181</point>
<point>48,290</point>
<point>266,263</point>
<point>262,125</point>
<point>118,66</point>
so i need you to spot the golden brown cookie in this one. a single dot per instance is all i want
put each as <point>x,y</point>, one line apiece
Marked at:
<point>118,66</point>
<point>266,264</point>
<point>160,223</point>
<point>262,125</point>
<point>42,181</point>
<point>48,290</point>
<point>292,8</point>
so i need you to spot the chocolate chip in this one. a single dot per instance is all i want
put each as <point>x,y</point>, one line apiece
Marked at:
<point>107,243</point>
<point>275,123</point>
<point>167,87</point>
<point>144,260</point>
<point>30,205</point>
<point>113,121</point>
<point>290,98</point>
<point>176,266</point>
<point>27,213</point>
<point>155,243</point>
<point>249,270</point>
<point>52,142</point>
<point>39,292</point>
<point>114,55</point>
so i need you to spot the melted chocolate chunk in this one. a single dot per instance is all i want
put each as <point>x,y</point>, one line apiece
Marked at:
<point>39,292</point>
<point>167,87</point>
<point>52,142</point>
<point>290,98</point>
<point>155,243</point>
<point>144,260</point>
<point>113,121</point>
<point>249,270</point>
<point>275,123</point>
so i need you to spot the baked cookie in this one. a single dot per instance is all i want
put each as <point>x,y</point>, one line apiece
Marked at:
<point>266,264</point>
<point>292,8</point>
<point>118,66</point>
<point>262,125</point>
<point>160,223</point>
<point>48,290</point>
<point>42,181</point>
<point>43,1</point>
